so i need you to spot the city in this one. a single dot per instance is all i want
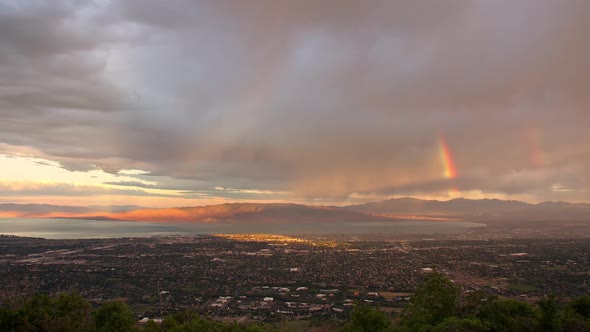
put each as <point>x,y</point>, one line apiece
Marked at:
<point>272,277</point>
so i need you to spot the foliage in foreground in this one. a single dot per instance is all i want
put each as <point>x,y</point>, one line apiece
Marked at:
<point>437,305</point>
<point>71,312</point>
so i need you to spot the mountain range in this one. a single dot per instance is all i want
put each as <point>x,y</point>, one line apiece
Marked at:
<point>460,209</point>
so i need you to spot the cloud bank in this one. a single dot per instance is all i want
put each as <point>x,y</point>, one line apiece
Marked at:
<point>304,100</point>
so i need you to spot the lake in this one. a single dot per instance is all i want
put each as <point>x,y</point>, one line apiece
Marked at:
<point>84,229</point>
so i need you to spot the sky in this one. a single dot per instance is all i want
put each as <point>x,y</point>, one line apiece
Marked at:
<point>184,103</point>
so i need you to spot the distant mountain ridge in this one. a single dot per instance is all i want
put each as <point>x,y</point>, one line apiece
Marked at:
<point>461,209</point>
<point>483,210</point>
<point>453,207</point>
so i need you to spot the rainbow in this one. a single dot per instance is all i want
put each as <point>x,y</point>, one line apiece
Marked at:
<point>536,156</point>
<point>450,170</point>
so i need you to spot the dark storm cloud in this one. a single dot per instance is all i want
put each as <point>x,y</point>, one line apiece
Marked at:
<point>54,95</point>
<point>320,98</point>
<point>47,60</point>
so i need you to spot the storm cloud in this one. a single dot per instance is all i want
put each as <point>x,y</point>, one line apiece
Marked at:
<point>314,100</point>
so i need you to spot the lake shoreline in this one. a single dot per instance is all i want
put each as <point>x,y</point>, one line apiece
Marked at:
<point>84,229</point>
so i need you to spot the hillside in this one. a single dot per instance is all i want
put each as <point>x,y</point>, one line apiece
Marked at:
<point>232,212</point>
<point>484,210</point>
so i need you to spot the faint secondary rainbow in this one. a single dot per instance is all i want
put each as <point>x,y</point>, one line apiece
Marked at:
<point>450,170</point>
<point>536,156</point>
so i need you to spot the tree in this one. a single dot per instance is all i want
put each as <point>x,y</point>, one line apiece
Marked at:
<point>71,312</point>
<point>581,307</point>
<point>435,300</point>
<point>363,318</point>
<point>550,316</point>
<point>114,317</point>
<point>64,313</point>
<point>35,314</point>
<point>510,315</point>
<point>10,320</point>
<point>196,324</point>
<point>472,303</point>
<point>452,324</point>
<point>576,317</point>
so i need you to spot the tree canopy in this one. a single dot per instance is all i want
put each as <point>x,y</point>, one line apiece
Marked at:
<point>434,300</point>
<point>437,305</point>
